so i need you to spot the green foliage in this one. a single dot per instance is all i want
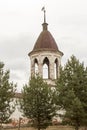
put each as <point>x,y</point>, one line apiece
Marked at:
<point>38,102</point>
<point>7,90</point>
<point>72,93</point>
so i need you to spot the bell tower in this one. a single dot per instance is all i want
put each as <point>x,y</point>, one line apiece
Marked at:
<point>45,57</point>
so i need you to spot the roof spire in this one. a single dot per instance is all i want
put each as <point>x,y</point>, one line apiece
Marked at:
<point>43,9</point>
<point>44,24</point>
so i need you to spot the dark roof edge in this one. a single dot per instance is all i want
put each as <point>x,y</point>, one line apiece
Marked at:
<point>45,49</point>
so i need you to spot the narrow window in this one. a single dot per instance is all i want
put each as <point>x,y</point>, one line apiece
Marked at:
<point>46,68</point>
<point>56,69</point>
<point>36,66</point>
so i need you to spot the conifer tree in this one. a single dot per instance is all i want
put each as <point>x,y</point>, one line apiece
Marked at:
<point>7,90</point>
<point>38,102</point>
<point>72,93</point>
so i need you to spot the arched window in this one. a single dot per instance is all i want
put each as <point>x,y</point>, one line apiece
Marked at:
<point>46,68</point>
<point>56,69</point>
<point>36,67</point>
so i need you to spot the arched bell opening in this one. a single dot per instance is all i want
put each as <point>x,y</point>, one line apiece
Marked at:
<point>46,73</point>
<point>56,68</point>
<point>36,67</point>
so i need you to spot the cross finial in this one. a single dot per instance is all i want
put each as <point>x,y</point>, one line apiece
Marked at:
<point>43,9</point>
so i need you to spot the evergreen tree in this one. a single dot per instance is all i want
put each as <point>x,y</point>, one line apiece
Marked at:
<point>72,93</point>
<point>38,102</point>
<point>7,90</point>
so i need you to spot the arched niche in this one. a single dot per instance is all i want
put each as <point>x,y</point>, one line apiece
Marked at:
<point>46,73</point>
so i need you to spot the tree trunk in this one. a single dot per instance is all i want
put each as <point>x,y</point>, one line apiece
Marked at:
<point>76,127</point>
<point>1,126</point>
<point>38,128</point>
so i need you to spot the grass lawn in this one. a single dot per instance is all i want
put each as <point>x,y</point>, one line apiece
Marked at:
<point>49,128</point>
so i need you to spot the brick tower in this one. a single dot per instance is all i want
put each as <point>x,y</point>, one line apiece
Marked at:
<point>45,57</point>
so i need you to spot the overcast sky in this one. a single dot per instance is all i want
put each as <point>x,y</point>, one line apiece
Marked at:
<point>21,23</point>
